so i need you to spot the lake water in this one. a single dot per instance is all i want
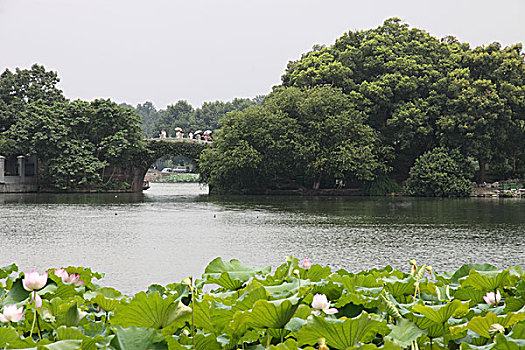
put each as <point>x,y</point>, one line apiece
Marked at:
<point>174,230</point>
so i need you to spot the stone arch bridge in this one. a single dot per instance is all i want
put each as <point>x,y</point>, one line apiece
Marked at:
<point>157,148</point>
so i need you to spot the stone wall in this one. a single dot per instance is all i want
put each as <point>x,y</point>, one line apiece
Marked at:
<point>23,181</point>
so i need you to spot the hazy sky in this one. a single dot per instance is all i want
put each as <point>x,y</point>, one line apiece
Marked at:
<point>203,50</point>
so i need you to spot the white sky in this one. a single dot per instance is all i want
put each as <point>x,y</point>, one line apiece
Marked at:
<point>204,50</point>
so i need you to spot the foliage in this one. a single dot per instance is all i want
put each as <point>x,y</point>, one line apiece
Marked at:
<point>304,136</point>
<point>253,308</point>
<point>419,92</point>
<point>176,178</point>
<point>183,115</point>
<point>75,142</point>
<point>440,173</point>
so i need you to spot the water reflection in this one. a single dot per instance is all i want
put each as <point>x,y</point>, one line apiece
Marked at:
<point>172,231</point>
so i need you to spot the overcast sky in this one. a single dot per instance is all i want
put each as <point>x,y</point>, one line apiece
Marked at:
<point>204,50</point>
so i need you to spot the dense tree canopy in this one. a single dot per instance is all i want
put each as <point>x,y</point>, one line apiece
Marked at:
<point>376,100</point>
<point>74,141</point>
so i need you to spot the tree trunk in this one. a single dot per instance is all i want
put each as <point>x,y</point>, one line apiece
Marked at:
<point>317,182</point>
<point>482,173</point>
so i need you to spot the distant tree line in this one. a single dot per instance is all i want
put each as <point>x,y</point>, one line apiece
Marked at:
<point>366,108</point>
<point>184,115</point>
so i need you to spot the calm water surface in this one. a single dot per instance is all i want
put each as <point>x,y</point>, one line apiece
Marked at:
<point>173,231</point>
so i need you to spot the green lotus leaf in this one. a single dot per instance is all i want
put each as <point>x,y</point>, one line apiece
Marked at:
<point>230,275</point>
<point>7,270</point>
<point>474,296</point>
<point>211,318</point>
<point>106,304</point>
<point>285,289</point>
<point>99,342</point>
<point>352,282</point>
<point>295,324</point>
<point>17,294</point>
<point>399,288</point>
<point>487,281</point>
<point>73,316</point>
<point>7,335</point>
<point>151,311</point>
<point>481,324</point>
<point>272,314</point>
<point>342,333</point>
<point>202,342</point>
<point>464,271</point>
<point>317,273</point>
<point>64,291</point>
<point>404,333</point>
<point>289,344</point>
<point>513,304</point>
<point>62,345</point>
<point>518,331</point>
<point>439,313</point>
<point>64,333</point>
<point>135,338</point>
<point>505,342</point>
<point>246,301</point>
<point>65,312</point>
<point>368,297</point>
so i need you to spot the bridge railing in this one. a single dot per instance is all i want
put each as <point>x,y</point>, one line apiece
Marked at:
<point>179,139</point>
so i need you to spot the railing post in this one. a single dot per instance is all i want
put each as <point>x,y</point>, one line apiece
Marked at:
<point>21,166</point>
<point>2,169</point>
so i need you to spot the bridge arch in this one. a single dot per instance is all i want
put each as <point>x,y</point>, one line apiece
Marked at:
<point>157,148</point>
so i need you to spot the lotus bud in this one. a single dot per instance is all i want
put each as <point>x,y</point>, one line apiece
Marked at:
<point>186,332</point>
<point>187,281</point>
<point>429,269</point>
<point>297,273</point>
<point>496,328</point>
<point>412,261</point>
<point>306,264</point>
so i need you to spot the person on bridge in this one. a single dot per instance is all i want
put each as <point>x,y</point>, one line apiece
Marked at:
<point>190,135</point>
<point>163,134</point>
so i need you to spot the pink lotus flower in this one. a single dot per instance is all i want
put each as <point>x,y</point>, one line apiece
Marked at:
<point>306,264</point>
<point>36,299</point>
<point>11,313</point>
<point>67,278</point>
<point>320,303</point>
<point>491,298</point>
<point>34,281</point>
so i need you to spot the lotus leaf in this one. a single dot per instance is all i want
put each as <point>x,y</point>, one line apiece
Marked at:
<point>135,338</point>
<point>7,335</point>
<point>343,333</point>
<point>488,281</point>
<point>152,311</point>
<point>482,324</point>
<point>438,313</point>
<point>230,275</point>
<point>272,314</point>
<point>404,333</point>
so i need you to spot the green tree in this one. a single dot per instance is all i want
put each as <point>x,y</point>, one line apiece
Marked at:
<point>23,87</point>
<point>440,172</point>
<point>298,136</point>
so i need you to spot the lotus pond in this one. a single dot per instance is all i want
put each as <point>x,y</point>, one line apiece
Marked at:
<point>297,305</point>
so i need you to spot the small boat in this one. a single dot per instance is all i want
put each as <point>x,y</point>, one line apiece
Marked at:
<point>145,185</point>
